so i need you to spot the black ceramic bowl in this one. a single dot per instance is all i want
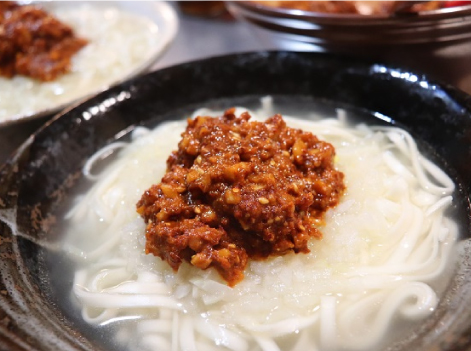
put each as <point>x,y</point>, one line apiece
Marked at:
<point>40,177</point>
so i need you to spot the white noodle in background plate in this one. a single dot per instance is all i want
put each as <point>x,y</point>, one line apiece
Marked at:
<point>125,39</point>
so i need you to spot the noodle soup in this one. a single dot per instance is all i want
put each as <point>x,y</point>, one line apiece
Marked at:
<point>378,271</point>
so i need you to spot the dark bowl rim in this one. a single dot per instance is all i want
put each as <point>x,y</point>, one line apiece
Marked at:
<point>456,12</point>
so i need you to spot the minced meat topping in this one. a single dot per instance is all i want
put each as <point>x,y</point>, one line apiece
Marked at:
<point>237,189</point>
<point>34,43</point>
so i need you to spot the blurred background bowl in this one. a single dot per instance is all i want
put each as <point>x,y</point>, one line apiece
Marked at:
<point>436,42</point>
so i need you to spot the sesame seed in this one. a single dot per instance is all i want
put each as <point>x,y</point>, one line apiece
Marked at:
<point>263,200</point>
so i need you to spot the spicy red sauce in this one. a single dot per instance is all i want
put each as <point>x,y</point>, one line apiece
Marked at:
<point>238,190</point>
<point>34,43</point>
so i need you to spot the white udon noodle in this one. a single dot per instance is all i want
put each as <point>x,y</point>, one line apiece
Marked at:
<point>384,246</point>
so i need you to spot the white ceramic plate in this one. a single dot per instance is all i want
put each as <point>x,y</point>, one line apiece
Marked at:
<point>125,39</point>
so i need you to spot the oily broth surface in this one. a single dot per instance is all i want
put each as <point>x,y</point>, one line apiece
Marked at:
<point>277,283</point>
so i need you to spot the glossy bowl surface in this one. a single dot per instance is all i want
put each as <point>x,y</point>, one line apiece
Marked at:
<point>40,178</point>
